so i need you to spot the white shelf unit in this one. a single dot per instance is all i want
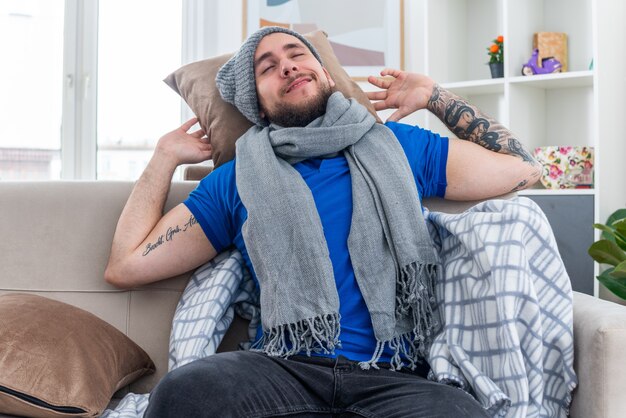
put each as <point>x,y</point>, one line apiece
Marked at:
<point>562,192</point>
<point>447,39</point>
<point>552,109</point>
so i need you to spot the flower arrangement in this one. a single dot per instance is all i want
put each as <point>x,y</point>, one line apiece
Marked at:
<point>496,51</point>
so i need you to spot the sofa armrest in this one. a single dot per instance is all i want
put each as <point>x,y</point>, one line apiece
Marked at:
<point>599,358</point>
<point>438,204</point>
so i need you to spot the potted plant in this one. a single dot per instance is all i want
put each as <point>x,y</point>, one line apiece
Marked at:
<point>496,57</point>
<point>611,249</point>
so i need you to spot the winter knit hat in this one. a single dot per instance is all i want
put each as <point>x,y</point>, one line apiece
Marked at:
<point>236,81</point>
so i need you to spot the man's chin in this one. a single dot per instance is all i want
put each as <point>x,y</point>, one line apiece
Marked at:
<point>301,112</point>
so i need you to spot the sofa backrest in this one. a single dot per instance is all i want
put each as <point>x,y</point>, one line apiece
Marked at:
<point>56,241</point>
<point>57,238</point>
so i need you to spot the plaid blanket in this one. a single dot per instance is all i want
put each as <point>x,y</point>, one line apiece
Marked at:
<point>504,304</point>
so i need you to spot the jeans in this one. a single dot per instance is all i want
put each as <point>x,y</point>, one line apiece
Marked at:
<point>254,385</point>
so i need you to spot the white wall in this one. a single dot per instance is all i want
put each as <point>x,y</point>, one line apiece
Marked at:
<point>611,69</point>
<point>220,22</point>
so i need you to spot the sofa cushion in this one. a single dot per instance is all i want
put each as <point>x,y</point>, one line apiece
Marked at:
<point>221,121</point>
<point>58,360</point>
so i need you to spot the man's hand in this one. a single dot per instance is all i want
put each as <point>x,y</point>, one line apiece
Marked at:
<point>407,92</point>
<point>179,147</point>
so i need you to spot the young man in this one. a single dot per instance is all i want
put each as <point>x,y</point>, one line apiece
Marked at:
<point>324,204</point>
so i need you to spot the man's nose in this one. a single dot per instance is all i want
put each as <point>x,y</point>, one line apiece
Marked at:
<point>288,67</point>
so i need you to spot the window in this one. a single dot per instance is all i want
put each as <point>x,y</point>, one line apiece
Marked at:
<point>139,44</point>
<point>81,90</point>
<point>31,82</point>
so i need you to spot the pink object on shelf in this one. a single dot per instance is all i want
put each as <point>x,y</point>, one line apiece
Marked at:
<point>566,167</point>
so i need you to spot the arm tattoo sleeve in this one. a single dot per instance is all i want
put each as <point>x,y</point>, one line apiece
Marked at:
<point>469,123</point>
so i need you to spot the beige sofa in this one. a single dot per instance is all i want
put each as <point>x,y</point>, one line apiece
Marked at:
<point>56,241</point>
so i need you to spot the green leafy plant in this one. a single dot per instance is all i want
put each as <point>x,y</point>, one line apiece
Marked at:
<point>611,249</point>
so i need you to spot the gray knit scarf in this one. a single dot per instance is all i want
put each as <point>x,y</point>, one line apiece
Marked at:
<point>390,248</point>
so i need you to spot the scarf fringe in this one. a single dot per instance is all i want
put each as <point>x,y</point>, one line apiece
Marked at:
<point>319,334</point>
<point>402,344</point>
<point>415,295</point>
<point>415,290</point>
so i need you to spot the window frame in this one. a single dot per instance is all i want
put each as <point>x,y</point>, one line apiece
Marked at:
<point>80,80</point>
<point>79,136</point>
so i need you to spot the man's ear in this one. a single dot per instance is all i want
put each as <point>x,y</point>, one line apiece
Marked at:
<point>328,77</point>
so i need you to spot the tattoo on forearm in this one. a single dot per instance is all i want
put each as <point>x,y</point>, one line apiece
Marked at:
<point>517,149</point>
<point>521,185</point>
<point>467,122</point>
<point>433,102</point>
<point>169,235</point>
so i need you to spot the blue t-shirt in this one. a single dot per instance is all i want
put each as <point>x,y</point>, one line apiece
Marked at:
<point>218,208</point>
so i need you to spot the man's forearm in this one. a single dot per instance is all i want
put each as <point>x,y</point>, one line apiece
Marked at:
<point>469,123</point>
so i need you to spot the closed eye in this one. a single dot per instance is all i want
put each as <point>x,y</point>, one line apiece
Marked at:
<point>266,69</point>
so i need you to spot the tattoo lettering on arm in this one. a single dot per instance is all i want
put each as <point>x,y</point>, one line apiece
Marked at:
<point>469,123</point>
<point>191,222</point>
<point>151,247</point>
<point>169,235</point>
